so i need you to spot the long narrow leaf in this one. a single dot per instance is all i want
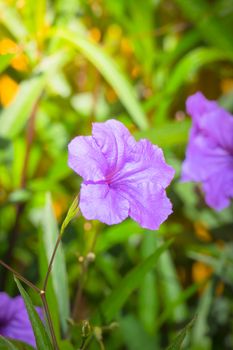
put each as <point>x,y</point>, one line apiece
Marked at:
<point>111,72</point>
<point>129,283</point>
<point>58,273</point>
<point>5,344</point>
<point>41,336</point>
<point>5,61</point>
<point>212,28</point>
<point>190,64</point>
<point>177,342</point>
<point>15,116</point>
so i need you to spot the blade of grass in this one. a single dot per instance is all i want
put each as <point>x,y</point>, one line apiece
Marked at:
<point>111,72</point>
<point>41,336</point>
<point>112,304</point>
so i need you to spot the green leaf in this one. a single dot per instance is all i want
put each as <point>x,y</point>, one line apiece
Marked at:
<point>135,336</point>
<point>5,60</point>
<point>34,16</point>
<point>212,27</point>
<point>11,20</point>
<point>50,294</point>
<point>177,343</point>
<point>58,273</point>
<point>111,72</point>
<point>116,234</point>
<point>5,344</point>
<point>171,287</point>
<point>148,297</point>
<point>168,134</point>
<point>200,335</point>
<point>186,68</point>
<point>129,283</point>
<point>71,214</point>
<point>13,118</point>
<point>41,336</point>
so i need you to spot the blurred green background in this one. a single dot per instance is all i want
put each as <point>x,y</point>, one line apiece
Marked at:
<point>65,64</point>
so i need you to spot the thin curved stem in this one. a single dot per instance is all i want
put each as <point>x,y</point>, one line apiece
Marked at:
<point>49,319</point>
<point>51,261</point>
<point>20,277</point>
<point>72,212</point>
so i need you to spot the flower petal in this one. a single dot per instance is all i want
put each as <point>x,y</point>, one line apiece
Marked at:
<point>211,120</point>
<point>149,205</point>
<point>219,189</point>
<point>203,158</point>
<point>86,159</point>
<point>115,142</point>
<point>101,202</point>
<point>146,164</point>
<point>198,106</point>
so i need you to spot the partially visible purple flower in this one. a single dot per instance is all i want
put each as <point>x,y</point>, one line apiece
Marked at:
<point>209,155</point>
<point>14,320</point>
<point>122,177</point>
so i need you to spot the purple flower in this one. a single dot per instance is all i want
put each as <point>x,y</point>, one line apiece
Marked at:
<point>122,177</point>
<point>209,156</point>
<point>14,320</point>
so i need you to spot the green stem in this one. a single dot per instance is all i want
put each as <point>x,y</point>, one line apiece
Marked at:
<point>20,277</point>
<point>49,319</point>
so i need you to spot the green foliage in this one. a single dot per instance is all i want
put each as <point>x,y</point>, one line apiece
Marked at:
<point>6,344</point>
<point>58,275</point>
<point>178,341</point>
<point>41,336</point>
<point>67,64</point>
<point>116,300</point>
<point>111,73</point>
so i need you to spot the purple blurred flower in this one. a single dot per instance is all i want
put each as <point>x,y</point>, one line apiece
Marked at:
<point>14,320</point>
<point>209,156</point>
<point>122,177</point>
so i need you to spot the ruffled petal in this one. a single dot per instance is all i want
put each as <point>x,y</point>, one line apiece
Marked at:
<point>149,205</point>
<point>219,189</point>
<point>198,106</point>
<point>203,158</point>
<point>115,143</point>
<point>86,158</point>
<point>101,202</point>
<point>211,120</point>
<point>147,163</point>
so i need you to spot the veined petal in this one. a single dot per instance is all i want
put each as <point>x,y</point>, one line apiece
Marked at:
<point>115,143</point>
<point>219,189</point>
<point>146,164</point>
<point>203,158</point>
<point>149,205</point>
<point>86,158</point>
<point>101,202</point>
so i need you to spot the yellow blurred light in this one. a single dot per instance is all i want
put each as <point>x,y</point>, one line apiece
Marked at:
<point>126,47</point>
<point>8,90</point>
<point>135,71</point>
<point>202,232</point>
<point>227,85</point>
<point>95,34</point>
<point>201,272</point>
<point>114,31</point>
<point>8,46</point>
<point>111,95</point>
<point>219,289</point>
<point>19,62</point>
<point>59,207</point>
